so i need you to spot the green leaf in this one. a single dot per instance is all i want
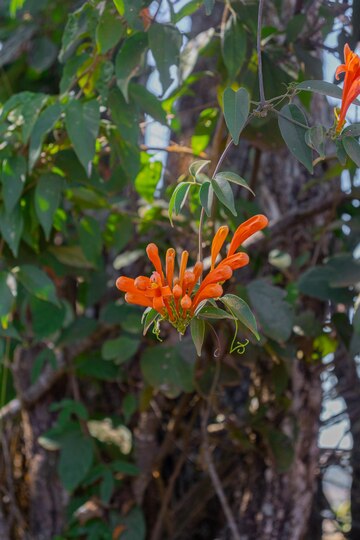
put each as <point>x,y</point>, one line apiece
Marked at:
<point>11,227</point>
<point>120,349</point>
<point>294,135</point>
<point>42,54</point>
<point>165,42</point>
<point>148,319</point>
<point>233,46</point>
<point>166,370</point>
<point>13,176</point>
<point>129,60</point>
<point>346,270</point>
<point>37,283</point>
<point>148,179</point>
<point>212,312</point>
<point>119,4</point>
<point>282,449</point>
<point>321,87</point>
<point>206,196</point>
<point>15,6</point>
<point>44,357</point>
<point>90,238</point>
<point>197,327</point>
<point>6,296</point>
<point>71,256</point>
<point>197,166</point>
<point>316,281</point>
<point>45,123</point>
<point>47,199</point>
<point>204,129</point>
<point>148,102</point>
<point>124,467</point>
<point>239,309</point>
<point>236,111</point>
<point>109,31</point>
<point>224,193</point>
<point>82,121</point>
<point>135,526</point>
<point>234,179</point>
<point>315,138</point>
<point>351,131</point>
<point>352,149</point>
<point>92,365</point>
<point>107,486</point>
<point>275,315</point>
<point>178,198</point>
<point>124,115</point>
<point>209,6</point>
<point>76,456</point>
<point>46,318</point>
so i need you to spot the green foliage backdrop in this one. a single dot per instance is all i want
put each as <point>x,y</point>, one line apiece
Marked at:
<point>116,419</point>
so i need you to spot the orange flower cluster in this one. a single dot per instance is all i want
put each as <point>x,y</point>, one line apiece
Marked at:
<point>176,298</point>
<point>351,88</point>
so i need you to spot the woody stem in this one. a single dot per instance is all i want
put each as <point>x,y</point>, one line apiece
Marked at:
<point>202,214</point>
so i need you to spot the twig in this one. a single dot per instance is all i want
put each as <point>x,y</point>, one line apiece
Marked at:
<point>258,46</point>
<point>156,534</point>
<point>216,480</point>
<point>174,148</point>
<point>202,214</point>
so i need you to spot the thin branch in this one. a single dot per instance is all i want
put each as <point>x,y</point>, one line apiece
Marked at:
<point>174,148</point>
<point>216,480</point>
<point>258,46</point>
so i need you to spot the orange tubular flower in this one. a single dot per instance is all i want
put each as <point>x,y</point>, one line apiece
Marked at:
<point>176,298</point>
<point>351,88</point>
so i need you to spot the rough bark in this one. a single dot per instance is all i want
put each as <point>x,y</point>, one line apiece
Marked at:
<point>46,496</point>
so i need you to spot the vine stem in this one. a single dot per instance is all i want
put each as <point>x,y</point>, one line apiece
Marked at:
<point>258,47</point>
<point>215,477</point>
<point>202,214</point>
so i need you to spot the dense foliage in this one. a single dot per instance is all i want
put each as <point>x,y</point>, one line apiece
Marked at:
<point>118,420</point>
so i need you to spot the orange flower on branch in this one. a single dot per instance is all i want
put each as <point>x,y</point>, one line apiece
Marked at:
<point>177,298</point>
<point>351,88</point>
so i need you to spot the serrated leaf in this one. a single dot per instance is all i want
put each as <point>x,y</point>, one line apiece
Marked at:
<point>352,149</point>
<point>197,328</point>
<point>294,135</point>
<point>239,309</point>
<point>47,199</point>
<point>37,283</point>
<point>13,176</point>
<point>178,198</point>
<point>197,166</point>
<point>233,46</point>
<point>129,60</point>
<point>165,42</point>
<point>234,179</point>
<point>82,121</point>
<point>224,193</point>
<point>45,123</point>
<point>236,111</point>
<point>206,196</point>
